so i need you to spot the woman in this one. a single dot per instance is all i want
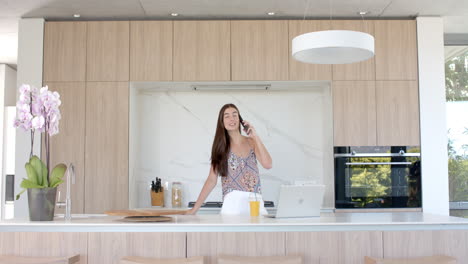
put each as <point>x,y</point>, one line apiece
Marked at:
<point>234,158</point>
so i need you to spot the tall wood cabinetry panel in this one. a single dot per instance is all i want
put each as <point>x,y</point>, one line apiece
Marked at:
<point>68,146</point>
<point>306,71</point>
<point>108,51</point>
<point>395,50</point>
<point>64,51</point>
<point>364,70</point>
<point>397,113</point>
<point>106,186</point>
<point>259,50</point>
<point>354,118</point>
<point>202,50</point>
<point>151,50</point>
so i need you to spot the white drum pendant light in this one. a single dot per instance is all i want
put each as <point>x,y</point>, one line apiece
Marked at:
<point>333,47</point>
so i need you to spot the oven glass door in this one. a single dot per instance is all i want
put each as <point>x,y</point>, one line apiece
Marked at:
<point>379,182</point>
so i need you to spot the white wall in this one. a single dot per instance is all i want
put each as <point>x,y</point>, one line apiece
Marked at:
<point>30,48</point>
<point>434,170</point>
<point>171,134</point>
<point>7,98</point>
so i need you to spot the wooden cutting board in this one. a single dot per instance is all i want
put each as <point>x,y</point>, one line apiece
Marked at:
<point>146,219</point>
<point>145,212</point>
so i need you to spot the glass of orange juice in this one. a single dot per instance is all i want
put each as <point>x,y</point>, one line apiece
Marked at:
<point>254,200</point>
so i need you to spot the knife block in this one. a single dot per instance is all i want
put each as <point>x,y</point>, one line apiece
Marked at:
<point>157,198</point>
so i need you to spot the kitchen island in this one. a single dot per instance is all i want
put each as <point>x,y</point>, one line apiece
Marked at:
<point>331,238</point>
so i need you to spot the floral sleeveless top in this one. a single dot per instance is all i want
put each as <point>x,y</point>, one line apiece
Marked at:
<point>242,174</point>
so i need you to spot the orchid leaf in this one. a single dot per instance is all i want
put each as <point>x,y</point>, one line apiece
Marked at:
<point>31,172</point>
<point>27,184</point>
<point>57,175</point>
<point>45,182</point>
<point>38,166</point>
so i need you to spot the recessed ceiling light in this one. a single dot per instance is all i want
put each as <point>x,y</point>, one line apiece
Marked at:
<point>174,14</point>
<point>362,13</point>
<point>77,15</point>
<point>271,13</point>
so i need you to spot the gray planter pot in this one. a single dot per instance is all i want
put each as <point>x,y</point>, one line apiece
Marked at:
<point>41,204</point>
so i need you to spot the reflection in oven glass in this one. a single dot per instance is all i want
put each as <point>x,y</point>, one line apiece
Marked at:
<point>378,180</point>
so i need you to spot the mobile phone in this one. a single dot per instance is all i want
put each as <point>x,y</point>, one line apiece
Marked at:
<point>246,128</point>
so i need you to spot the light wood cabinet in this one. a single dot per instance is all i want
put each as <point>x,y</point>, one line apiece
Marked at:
<point>259,50</point>
<point>68,146</point>
<point>395,50</point>
<point>202,50</point>
<point>64,51</point>
<point>106,185</point>
<point>151,50</point>
<point>397,113</point>
<point>364,70</point>
<point>305,71</point>
<point>354,116</point>
<point>213,244</point>
<point>334,247</point>
<point>108,51</point>
<point>112,246</point>
<point>44,244</point>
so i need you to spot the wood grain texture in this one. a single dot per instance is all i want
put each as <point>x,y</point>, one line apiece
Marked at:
<point>334,247</point>
<point>39,260</point>
<point>145,212</point>
<point>364,70</point>
<point>108,51</point>
<point>407,244</point>
<point>51,244</point>
<point>64,51</point>
<point>305,71</point>
<point>151,50</point>
<point>68,146</point>
<point>111,247</point>
<point>140,260</point>
<point>202,51</point>
<point>354,115</point>
<point>259,50</point>
<point>397,113</point>
<point>211,245</point>
<point>395,50</point>
<point>106,185</point>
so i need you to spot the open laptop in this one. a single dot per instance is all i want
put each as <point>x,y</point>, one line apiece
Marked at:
<point>299,201</point>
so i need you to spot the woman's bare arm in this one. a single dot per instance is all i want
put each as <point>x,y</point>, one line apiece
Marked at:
<point>210,183</point>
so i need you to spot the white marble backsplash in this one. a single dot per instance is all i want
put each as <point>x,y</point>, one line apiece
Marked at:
<point>171,134</point>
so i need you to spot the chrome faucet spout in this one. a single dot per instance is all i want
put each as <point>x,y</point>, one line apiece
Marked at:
<point>68,203</point>
<point>70,181</point>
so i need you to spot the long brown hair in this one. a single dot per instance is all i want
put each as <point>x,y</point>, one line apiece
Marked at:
<point>221,143</point>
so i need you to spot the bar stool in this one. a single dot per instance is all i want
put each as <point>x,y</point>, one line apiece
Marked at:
<point>224,259</point>
<point>10,259</point>
<point>420,260</point>
<point>142,260</point>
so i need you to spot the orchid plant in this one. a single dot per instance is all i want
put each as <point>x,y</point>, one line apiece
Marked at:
<point>38,110</point>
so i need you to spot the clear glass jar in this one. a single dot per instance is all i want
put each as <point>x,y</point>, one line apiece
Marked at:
<point>176,194</point>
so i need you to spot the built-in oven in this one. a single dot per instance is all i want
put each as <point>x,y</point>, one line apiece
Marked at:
<point>377,177</point>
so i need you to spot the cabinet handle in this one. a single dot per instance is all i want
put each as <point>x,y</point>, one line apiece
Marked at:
<point>378,163</point>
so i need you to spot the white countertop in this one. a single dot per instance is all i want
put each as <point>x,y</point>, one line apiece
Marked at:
<point>218,223</point>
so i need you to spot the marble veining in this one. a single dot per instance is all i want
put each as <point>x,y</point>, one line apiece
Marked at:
<point>172,132</point>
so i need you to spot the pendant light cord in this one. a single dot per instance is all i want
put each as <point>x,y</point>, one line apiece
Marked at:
<point>306,10</point>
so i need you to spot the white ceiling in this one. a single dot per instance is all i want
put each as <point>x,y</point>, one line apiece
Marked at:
<point>454,12</point>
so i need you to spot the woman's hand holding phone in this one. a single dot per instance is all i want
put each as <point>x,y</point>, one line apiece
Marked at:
<point>249,129</point>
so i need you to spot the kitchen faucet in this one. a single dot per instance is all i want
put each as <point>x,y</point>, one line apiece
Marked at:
<point>68,203</point>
